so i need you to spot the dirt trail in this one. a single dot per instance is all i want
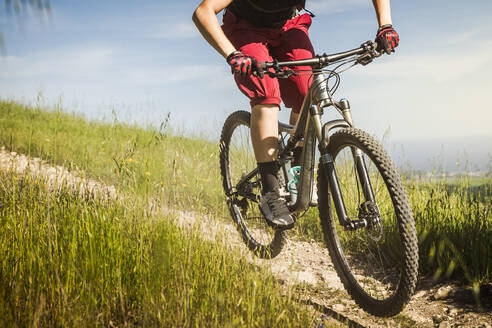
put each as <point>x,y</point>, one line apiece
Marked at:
<point>434,305</point>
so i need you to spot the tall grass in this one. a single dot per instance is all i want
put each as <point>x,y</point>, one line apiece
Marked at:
<point>70,260</point>
<point>142,161</point>
<point>454,225</point>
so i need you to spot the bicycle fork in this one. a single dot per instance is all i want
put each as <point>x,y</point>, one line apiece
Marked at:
<point>328,166</point>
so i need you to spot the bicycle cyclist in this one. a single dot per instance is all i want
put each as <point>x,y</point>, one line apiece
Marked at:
<point>254,31</point>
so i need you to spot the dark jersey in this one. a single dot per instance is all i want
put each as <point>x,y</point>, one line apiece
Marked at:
<point>265,13</point>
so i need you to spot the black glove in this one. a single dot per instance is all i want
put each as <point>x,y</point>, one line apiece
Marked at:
<point>244,65</point>
<point>387,38</point>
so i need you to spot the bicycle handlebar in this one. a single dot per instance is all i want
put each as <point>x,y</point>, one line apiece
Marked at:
<point>367,52</point>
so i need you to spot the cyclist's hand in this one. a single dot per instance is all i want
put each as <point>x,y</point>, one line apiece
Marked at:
<point>387,38</point>
<point>244,65</point>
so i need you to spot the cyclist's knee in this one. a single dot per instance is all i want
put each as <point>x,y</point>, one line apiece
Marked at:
<point>266,102</point>
<point>261,107</point>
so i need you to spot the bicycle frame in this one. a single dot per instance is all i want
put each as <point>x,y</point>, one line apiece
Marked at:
<point>310,127</point>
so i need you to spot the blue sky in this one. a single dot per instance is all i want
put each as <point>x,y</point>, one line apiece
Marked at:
<point>144,59</point>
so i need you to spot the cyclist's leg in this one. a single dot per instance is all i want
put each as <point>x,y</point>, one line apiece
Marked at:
<point>264,137</point>
<point>264,132</point>
<point>264,95</point>
<point>253,41</point>
<point>295,45</point>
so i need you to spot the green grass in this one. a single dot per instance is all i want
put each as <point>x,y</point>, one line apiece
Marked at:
<point>137,160</point>
<point>454,223</point>
<point>71,260</point>
<point>454,218</point>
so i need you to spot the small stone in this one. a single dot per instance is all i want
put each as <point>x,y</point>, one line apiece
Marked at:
<point>438,318</point>
<point>307,277</point>
<point>419,294</point>
<point>452,312</point>
<point>444,324</point>
<point>443,292</point>
<point>338,307</point>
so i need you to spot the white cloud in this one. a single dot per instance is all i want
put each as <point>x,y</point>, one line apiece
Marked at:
<point>62,62</point>
<point>146,23</point>
<point>175,30</point>
<point>462,57</point>
<point>462,38</point>
<point>438,93</point>
<point>97,70</point>
<point>436,67</point>
<point>172,74</point>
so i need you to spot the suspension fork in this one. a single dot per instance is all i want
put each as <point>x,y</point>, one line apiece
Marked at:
<point>328,166</point>
<point>360,165</point>
<point>361,169</point>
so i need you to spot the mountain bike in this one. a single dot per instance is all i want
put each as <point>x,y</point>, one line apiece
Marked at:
<point>365,214</point>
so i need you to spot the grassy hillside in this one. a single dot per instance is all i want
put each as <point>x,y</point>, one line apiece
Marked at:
<point>454,222</point>
<point>70,260</point>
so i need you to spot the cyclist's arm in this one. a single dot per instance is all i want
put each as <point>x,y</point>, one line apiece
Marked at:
<point>206,21</point>
<point>383,11</point>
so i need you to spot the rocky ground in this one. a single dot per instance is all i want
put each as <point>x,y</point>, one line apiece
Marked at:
<point>305,264</point>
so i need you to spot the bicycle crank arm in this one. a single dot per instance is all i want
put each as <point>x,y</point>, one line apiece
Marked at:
<point>246,178</point>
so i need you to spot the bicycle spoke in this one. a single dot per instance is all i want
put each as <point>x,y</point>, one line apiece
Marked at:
<point>239,167</point>
<point>250,218</point>
<point>374,268</point>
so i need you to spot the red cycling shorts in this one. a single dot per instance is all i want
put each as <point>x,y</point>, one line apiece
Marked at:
<point>289,42</point>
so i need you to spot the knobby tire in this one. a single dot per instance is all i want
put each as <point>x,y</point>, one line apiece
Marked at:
<point>267,249</point>
<point>404,230</point>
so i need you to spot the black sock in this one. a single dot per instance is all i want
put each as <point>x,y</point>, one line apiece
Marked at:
<point>268,173</point>
<point>296,160</point>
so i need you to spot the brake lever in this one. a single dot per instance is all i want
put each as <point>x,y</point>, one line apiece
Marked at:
<point>285,73</point>
<point>364,59</point>
<point>278,72</point>
<point>371,53</point>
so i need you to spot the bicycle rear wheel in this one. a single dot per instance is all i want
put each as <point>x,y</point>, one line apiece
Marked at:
<point>378,264</point>
<point>242,186</point>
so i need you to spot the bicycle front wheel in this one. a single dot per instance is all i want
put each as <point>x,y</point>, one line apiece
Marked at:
<point>242,186</point>
<point>378,264</point>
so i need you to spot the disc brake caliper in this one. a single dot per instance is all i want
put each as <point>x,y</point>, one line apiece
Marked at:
<point>370,215</point>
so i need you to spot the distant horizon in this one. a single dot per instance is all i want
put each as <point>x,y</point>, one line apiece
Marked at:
<point>448,154</point>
